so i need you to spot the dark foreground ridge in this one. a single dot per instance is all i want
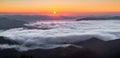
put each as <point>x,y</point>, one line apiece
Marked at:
<point>92,48</point>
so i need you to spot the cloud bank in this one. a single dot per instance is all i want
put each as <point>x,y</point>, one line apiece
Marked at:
<point>61,35</point>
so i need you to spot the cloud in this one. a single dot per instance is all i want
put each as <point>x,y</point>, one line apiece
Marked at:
<point>6,46</point>
<point>61,36</point>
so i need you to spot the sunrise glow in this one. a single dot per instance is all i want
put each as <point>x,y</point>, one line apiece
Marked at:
<point>54,12</point>
<point>63,6</point>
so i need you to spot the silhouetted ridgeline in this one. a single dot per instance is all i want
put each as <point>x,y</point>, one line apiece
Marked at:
<point>105,49</point>
<point>6,23</point>
<point>26,18</point>
<point>100,18</point>
<point>92,48</point>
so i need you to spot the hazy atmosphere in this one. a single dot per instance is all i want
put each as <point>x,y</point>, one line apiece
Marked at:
<point>59,28</point>
<point>60,6</point>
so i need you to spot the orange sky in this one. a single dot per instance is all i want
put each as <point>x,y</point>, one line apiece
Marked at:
<point>72,6</point>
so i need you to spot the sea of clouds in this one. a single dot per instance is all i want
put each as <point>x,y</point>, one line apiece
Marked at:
<point>61,34</point>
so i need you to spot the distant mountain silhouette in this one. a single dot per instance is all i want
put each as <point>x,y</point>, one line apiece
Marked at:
<point>27,18</point>
<point>100,18</point>
<point>6,23</point>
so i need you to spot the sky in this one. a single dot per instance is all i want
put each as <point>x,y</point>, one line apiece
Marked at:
<point>70,6</point>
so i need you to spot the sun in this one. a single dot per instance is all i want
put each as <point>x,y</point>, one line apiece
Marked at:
<point>54,12</point>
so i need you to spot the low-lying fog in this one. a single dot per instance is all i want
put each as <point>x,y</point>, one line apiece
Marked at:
<point>59,32</point>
